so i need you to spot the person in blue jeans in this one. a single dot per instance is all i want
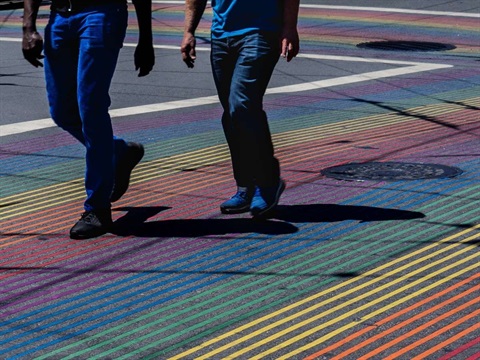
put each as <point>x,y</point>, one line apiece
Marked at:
<point>247,39</point>
<point>81,45</point>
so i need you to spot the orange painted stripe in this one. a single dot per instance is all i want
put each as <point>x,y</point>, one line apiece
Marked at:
<point>168,184</point>
<point>205,208</point>
<point>42,222</point>
<point>72,251</point>
<point>444,329</point>
<point>403,324</point>
<point>366,136</point>
<point>412,132</point>
<point>60,248</point>
<point>348,339</point>
<point>65,210</point>
<point>430,336</point>
<point>61,214</point>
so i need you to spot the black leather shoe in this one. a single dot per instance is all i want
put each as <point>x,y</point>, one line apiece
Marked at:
<point>91,224</point>
<point>125,165</point>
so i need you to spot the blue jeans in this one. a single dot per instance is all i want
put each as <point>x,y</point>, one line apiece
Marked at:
<point>81,51</point>
<point>242,67</point>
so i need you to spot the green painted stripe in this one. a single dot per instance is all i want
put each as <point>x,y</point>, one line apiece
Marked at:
<point>266,298</point>
<point>301,266</point>
<point>193,159</point>
<point>51,175</point>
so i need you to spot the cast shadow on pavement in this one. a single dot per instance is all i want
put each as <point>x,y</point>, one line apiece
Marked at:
<point>334,213</point>
<point>134,222</point>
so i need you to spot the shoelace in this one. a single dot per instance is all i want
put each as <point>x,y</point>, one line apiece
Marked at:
<point>88,216</point>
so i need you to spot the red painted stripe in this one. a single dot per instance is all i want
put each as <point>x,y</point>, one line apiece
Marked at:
<point>345,341</point>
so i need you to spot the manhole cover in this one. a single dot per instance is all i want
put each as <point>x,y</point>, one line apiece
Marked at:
<point>390,171</point>
<point>406,46</point>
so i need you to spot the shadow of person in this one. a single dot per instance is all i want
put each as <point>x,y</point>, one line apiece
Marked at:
<point>138,214</point>
<point>335,213</point>
<point>134,223</point>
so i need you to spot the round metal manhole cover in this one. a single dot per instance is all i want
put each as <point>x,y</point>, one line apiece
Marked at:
<point>390,171</point>
<point>406,46</point>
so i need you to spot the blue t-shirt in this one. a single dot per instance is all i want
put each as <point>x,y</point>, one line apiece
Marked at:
<point>239,17</point>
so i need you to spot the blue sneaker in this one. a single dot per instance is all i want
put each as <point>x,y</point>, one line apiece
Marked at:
<point>266,198</point>
<point>238,203</point>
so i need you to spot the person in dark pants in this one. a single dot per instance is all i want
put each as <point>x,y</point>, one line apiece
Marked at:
<point>247,39</point>
<point>82,42</point>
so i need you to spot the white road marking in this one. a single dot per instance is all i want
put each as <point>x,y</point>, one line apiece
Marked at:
<point>393,10</point>
<point>359,8</point>
<point>407,67</point>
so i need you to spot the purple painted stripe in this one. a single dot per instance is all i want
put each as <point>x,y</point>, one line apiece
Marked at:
<point>43,295</point>
<point>89,259</point>
<point>335,195</point>
<point>202,117</point>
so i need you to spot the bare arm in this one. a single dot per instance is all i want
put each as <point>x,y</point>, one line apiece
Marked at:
<point>144,57</point>
<point>193,13</point>
<point>32,42</point>
<point>290,39</point>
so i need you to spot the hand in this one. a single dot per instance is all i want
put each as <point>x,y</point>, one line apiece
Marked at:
<point>188,49</point>
<point>32,47</point>
<point>144,58</point>
<point>290,44</point>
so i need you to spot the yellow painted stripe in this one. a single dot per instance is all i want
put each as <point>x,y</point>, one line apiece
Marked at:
<point>380,311</point>
<point>54,195</point>
<point>351,313</point>
<point>62,225</point>
<point>301,134</point>
<point>339,307</point>
<point>368,274</point>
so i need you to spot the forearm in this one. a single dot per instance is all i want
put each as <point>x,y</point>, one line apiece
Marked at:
<point>30,12</point>
<point>193,14</point>
<point>290,13</point>
<point>143,10</point>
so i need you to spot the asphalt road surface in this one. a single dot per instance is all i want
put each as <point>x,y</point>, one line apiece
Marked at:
<point>372,253</point>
